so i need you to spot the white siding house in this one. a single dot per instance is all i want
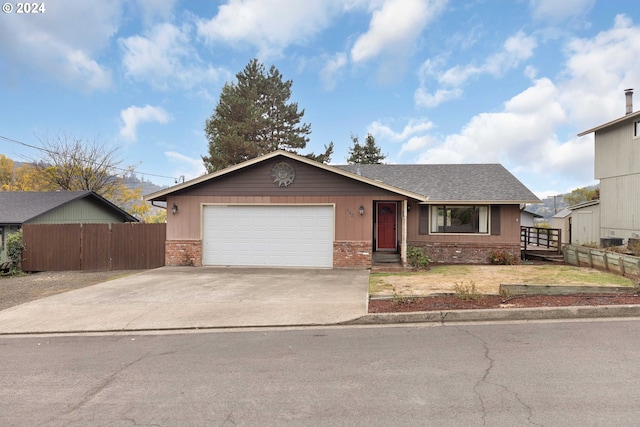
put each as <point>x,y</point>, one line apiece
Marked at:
<point>617,166</point>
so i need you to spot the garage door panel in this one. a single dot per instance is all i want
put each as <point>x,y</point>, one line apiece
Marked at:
<point>268,235</point>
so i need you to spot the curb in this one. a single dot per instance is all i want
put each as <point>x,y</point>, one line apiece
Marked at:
<point>500,314</point>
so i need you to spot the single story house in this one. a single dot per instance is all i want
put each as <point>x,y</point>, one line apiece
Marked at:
<point>528,219</point>
<point>285,210</point>
<point>54,207</point>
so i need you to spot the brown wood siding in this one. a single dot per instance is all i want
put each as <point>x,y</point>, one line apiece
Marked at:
<point>349,225</point>
<point>253,185</point>
<point>509,229</point>
<point>256,181</point>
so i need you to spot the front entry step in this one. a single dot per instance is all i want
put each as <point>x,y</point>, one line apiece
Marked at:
<point>386,257</point>
<point>387,262</point>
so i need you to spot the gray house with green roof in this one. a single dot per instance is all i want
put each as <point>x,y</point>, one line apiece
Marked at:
<point>285,210</point>
<point>54,207</point>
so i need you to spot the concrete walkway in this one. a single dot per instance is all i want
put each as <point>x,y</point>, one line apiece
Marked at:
<point>203,297</point>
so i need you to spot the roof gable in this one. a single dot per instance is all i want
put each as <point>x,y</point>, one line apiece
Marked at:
<point>453,183</point>
<point>161,195</point>
<point>18,207</point>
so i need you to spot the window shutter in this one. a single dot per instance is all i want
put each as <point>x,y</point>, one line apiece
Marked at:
<point>495,220</point>
<point>424,220</point>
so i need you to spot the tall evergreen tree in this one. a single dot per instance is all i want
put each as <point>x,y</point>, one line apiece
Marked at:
<point>367,153</point>
<point>254,117</point>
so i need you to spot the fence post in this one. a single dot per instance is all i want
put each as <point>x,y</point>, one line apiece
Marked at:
<point>559,240</point>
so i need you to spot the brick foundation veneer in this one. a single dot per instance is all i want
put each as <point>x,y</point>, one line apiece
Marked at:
<point>352,254</point>
<point>465,253</point>
<point>183,252</point>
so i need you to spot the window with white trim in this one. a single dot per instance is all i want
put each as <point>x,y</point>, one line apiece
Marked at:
<point>636,129</point>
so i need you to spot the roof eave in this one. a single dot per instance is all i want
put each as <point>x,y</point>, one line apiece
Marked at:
<point>611,123</point>
<point>483,202</point>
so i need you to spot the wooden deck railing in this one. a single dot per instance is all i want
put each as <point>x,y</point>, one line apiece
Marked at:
<point>538,238</point>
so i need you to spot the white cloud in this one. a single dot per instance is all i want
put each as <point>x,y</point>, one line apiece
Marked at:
<point>63,42</point>
<point>394,27</point>
<point>516,49</point>
<point>189,167</point>
<point>556,12</point>
<point>133,116</point>
<point>413,136</point>
<point>165,58</point>
<point>426,99</point>
<point>414,126</point>
<point>534,133</point>
<point>269,25</point>
<point>153,10</point>
<point>597,72</point>
<point>332,67</point>
<point>523,134</point>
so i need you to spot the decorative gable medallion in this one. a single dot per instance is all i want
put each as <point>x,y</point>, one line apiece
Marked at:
<point>283,174</point>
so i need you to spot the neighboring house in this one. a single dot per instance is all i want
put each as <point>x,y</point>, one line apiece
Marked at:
<point>562,221</point>
<point>54,207</point>
<point>617,166</point>
<point>585,224</point>
<point>528,219</point>
<point>282,209</point>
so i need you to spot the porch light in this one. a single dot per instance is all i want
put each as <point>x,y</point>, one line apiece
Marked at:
<point>174,209</point>
<point>361,210</point>
<point>408,207</point>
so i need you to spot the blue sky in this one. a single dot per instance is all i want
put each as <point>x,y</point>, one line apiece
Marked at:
<point>434,81</point>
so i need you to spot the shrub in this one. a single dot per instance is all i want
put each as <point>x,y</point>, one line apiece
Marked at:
<point>417,258</point>
<point>14,250</point>
<point>634,247</point>
<point>467,292</point>
<point>502,258</point>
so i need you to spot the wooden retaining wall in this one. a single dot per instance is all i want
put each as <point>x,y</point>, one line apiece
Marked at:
<point>613,262</point>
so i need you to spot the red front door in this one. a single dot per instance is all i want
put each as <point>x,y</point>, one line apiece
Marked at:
<point>387,226</point>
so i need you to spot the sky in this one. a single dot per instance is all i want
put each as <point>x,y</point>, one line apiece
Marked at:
<point>434,81</point>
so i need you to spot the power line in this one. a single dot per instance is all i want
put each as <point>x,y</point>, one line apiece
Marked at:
<point>89,161</point>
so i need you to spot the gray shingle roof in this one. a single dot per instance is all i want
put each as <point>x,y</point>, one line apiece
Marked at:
<point>18,207</point>
<point>451,182</point>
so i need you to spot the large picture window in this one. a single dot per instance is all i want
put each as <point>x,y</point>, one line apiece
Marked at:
<point>459,219</point>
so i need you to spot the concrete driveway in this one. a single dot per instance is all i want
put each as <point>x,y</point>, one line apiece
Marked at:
<point>202,297</point>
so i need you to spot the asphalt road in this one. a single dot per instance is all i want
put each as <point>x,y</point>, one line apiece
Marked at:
<point>582,373</point>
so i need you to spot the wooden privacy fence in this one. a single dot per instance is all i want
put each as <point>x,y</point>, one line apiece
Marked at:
<point>93,247</point>
<point>614,262</point>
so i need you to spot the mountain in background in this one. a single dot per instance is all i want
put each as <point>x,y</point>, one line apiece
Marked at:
<point>551,205</point>
<point>132,181</point>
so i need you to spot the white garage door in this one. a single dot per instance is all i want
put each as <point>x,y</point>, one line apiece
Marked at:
<point>268,235</point>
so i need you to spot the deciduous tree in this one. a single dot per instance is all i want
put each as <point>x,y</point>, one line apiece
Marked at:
<point>580,195</point>
<point>73,164</point>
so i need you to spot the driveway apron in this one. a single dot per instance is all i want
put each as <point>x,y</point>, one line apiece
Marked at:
<point>198,297</point>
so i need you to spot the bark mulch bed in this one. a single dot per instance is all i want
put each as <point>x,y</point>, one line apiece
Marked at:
<point>453,302</point>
